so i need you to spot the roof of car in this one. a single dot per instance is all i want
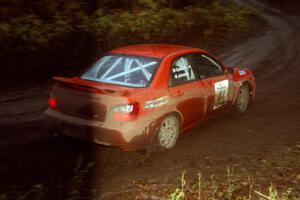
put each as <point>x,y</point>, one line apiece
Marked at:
<point>152,50</point>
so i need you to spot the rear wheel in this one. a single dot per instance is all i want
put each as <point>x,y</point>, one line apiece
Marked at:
<point>168,132</point>
<point>243,99</point>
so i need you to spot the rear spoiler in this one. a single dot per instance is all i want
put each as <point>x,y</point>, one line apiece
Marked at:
<point>86,86</point>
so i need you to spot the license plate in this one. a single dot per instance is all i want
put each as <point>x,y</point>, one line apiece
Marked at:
<point>74,131</point>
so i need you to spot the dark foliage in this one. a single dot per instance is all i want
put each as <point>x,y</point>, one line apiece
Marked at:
<point>40,38</point>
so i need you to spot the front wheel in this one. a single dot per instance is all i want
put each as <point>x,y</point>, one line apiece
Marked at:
<point>243,99</point>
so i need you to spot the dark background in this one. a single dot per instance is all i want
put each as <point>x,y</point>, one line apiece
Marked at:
<point>41,38</point>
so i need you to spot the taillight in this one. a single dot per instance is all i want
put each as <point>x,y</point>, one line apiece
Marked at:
<point>126,112</point>
<point>52,102</point>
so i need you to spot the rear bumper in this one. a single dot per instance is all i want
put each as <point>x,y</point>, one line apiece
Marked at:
<point>125,135</point>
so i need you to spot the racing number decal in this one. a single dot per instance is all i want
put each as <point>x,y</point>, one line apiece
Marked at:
<point>221,93</point>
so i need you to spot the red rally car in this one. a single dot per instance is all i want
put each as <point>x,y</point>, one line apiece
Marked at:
<point>139,95</point>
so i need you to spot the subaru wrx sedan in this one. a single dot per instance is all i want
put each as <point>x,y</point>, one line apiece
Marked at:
<point>142,95</point>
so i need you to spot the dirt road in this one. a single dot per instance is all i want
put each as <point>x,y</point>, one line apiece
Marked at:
<point>33,162</point>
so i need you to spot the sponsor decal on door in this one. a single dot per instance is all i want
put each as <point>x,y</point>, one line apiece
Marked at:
<point>221,93</point>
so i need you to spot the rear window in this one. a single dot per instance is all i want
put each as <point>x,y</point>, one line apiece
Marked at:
<point>124,70</point>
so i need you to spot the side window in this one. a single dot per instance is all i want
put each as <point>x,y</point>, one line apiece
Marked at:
<point>181,71</point>
<point>205,66</point>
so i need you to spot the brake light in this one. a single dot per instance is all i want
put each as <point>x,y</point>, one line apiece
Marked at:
<point>52,102</point>
<point>126,112</point>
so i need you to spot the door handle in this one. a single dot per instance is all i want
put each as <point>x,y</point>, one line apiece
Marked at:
<point>179,93</point>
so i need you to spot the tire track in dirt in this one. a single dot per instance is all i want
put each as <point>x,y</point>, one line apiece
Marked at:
<point>274,56</point>
<point>274,44</point>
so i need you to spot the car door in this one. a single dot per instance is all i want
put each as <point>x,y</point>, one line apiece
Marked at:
<point>218,83</point>
<point>186,90</point>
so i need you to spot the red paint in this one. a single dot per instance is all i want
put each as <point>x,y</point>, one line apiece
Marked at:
<point>152,50</point>
<point>52,103</point>
<point>83,103</point>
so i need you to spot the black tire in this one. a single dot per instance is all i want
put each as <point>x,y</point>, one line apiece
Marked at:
<point>243,99</point>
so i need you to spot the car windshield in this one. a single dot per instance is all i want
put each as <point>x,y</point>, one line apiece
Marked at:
<point>124,70</point>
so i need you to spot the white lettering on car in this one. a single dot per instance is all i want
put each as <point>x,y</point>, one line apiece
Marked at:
<point>157,102</point>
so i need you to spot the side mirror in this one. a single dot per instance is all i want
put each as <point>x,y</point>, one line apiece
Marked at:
<point>229,69</point>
